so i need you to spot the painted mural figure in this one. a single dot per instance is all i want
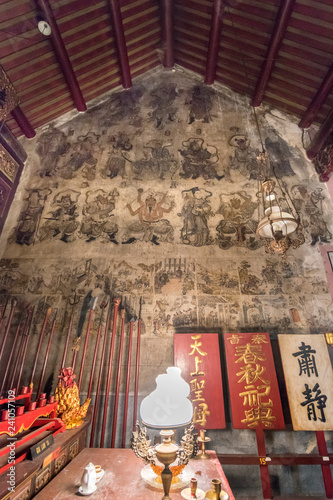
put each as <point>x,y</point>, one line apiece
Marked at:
<point>199,161</point>
<point>279,154</point>
<point>245,157</point>
<point>237,226</point>
<point>151,226</point>
<point>51,146</point>
<point>30,216</point>
<point>309,204</point>
<point>156,163</point>
<point>200,102</point>
<point>83,156</point>
<point>121,106</point>
<point>249,283</point>
<point>196,211</point>
<point>97,216</point>
<point>163,105</point>
<point>62,222</point>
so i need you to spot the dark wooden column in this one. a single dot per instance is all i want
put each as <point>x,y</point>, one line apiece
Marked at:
<point>23,122</point>
<point>167,17</point>
<point>281,23</point>
<point>318,100</point>
<point>319,139</point>
<point>214,41</point>
<point>121,44</point>
<point>61,54</point>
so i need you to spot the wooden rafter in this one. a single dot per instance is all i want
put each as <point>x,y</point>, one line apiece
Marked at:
<point>121,44</point>
<point>61,54</point>
<point>318,100</point>
<point>214,41</point>
<point>280,27</point>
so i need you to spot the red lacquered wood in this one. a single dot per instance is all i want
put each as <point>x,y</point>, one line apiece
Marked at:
<point>121,44</point>
<point>169,55</point>
<point>116,303</point>
<point>92,373</point>
<point>62,55</point>
<point>99,382</point>
<point>281,24</point>
<point>84,354</point>
<point>325,467</point>
<point>214,41</point>
<point>116,397</point>
<point>23,122</point>
<point>265,482</point>
<point>20,360</point>
<point>319,139</point>
<point>10,356</point>
<point>46,356</point>
<point>69,331</point>
<point>47,315</point>
<point>128,374</point>
<point>9,322</point>
<point>137,368</point>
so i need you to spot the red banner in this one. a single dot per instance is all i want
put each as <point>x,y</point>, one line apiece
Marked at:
<point>253,387</point>
<point>198,356</point>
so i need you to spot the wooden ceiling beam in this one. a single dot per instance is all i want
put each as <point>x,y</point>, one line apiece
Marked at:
<point>318,100</point>
<point>61,54</point>
<point>168,29</point>
<point>23,122</point>
<point>282,21</point>
<point>121,44</point>
<point>319,139</point>
<point>214,41</point>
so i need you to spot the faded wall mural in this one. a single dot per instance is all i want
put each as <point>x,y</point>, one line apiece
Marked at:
<point>153,193</point>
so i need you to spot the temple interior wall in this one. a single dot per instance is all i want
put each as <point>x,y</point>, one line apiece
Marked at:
<point>152,196</point>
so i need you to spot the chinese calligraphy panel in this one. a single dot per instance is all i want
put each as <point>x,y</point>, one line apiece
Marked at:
<point>254,393</point>
<point>308,373</point>
<point>198,356</point>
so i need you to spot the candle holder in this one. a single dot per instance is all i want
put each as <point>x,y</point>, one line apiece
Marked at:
<point>203,439</point>
<point>193,493</point>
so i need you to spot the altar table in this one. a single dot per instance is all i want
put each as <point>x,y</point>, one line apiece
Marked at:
<point>122,478</point>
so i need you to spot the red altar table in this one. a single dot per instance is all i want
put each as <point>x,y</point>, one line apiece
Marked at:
<point>122,478</point>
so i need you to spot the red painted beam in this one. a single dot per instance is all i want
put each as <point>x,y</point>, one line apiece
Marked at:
<point>214,41</point>
<point>121,44</point>
<point>319,139</point>
<point>318,100</point>
<point>23,122</point>
<point>61,54</point>
<point>168,45</point>
<point>282,21</point>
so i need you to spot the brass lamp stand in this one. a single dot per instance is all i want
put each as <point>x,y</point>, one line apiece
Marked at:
<point>166,453</point>
<point>203,439</point>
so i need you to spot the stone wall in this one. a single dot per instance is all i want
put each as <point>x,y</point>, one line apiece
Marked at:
<point>153,194</point>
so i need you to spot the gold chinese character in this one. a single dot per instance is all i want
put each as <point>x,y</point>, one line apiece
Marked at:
<point>252,396</point>
<point>256,415</point>
<point>234,339</point>
<point>43,446</point>
<point>197,373</point>
<point>196,385</point>
<point>38,449</point>
<point>259,339</point>
<point>249,353</point>
<point>251,374</point>
<point>200,413</point>
<point>198,396</point>
<point>196,346</point>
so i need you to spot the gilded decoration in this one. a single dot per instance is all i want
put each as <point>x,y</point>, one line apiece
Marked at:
<point>8,165</point>
<point>8,97</point>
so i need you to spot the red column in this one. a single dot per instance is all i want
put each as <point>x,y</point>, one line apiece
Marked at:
<point>282,20</point>
<point>121,44</point>
<point>214,41</point>
<point>61,54</point>
<point>23,122</point>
